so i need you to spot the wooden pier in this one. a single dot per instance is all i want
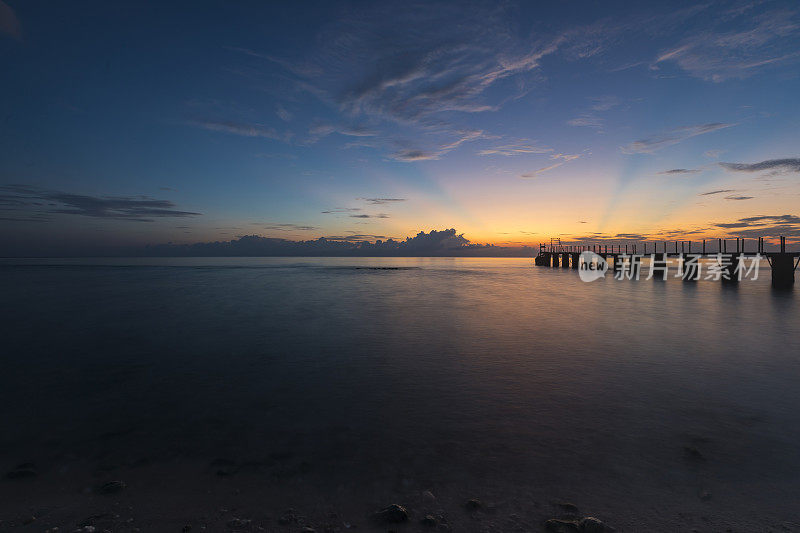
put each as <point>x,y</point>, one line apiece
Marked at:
<point>783,263</point>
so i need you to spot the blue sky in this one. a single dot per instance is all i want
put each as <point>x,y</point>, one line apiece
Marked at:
<point>135,122</point>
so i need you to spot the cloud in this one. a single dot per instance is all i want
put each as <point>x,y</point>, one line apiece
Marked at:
<point>534,173</point>
<point>719,191</point>
<point>244,130</point>
<point>564,158</point>
<point>717,55</point>
<point>764,225</point>
<point>283,113</point>
<point>679,171</point>
<point>409,65</point>
<point>739,197</point>
<point>588,121</point>
<point>336,210</point>
<point>773,219</point>
<point>285,227</point>
<point>521,147</point>
<point>714,154</point>
<point>304,69</point>
<point>414,155</point>
<point>379,201</point>
<point>320,130</point>
<point>604,103</point>
<point>42,202</point>
<point>777,165</point>
<point>9,23</point>
<point>669,138</point>
<point>379,215</point>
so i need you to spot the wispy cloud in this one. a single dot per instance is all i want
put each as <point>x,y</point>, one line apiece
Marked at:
<point>592,119</point>
<point>415,154</point>
<point>680,171</point>
<point>320,130</point>
<point>42,202</point>
<point>718,191</point>
<point>776,165</point>
<point>588,121</point>
<point>242,129</point>
<point>717,55</point>
<point>364,215</point>
<point>605,103</point>
<point>380,201</point>
<point>285,226</point>
<point>669,138</point>
<point>564,158</point>
<point>283,113</point>
<point>337,210</point>
<point>764,225</point>
<point>9,23</point>
<point>521,147</point>
<point>731,197</point>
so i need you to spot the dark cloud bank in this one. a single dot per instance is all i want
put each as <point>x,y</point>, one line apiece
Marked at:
<point>444,243</point>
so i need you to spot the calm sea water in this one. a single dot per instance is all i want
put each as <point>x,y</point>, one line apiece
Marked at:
<point>487,374</point>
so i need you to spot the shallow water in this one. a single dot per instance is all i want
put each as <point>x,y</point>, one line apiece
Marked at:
<point>371,376</point>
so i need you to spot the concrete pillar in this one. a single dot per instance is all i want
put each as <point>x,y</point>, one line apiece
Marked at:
<point>555,258</point>
<point>618,265</point>
<point>783,266</point>
<point>565,260</point>
<point>660,264</point>
<point>731,271</point>
<point>690,270</point>
<point>575,259</point>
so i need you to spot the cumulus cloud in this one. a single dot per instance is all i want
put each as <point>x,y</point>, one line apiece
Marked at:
<point>446,242</point>
<point>669,138</point>
<point>776,165</point>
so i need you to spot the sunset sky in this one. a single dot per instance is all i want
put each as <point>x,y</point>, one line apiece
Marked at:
<point>134,122</point>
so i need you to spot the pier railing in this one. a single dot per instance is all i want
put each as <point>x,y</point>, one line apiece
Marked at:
<point>782,262</point>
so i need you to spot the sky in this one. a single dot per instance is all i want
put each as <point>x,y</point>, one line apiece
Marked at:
<point>131,123</point>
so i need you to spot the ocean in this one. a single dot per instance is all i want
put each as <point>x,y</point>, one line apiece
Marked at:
<point>222,388</point>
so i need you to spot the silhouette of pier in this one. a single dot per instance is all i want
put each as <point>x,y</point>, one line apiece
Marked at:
<point>783,263</point>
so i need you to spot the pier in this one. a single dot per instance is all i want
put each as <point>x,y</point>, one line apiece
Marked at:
<point>783,263</point>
